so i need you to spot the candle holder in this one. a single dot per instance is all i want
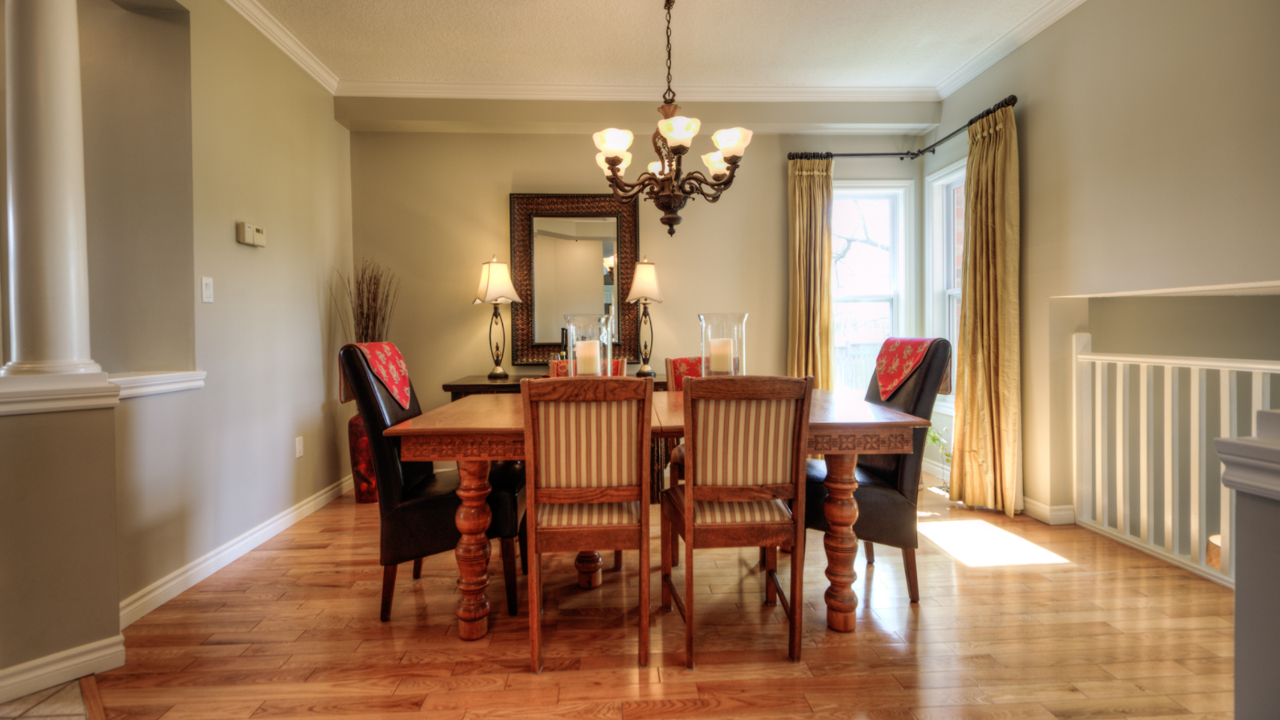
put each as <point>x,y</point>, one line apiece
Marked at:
<point>724,344</point>
<point>590,345</point>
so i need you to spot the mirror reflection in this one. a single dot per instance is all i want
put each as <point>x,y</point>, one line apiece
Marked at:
<point>573,271</point>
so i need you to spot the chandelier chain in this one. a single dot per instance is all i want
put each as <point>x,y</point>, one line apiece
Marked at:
<point>669,96</point>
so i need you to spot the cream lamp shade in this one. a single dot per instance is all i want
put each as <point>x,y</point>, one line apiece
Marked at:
<point>644,285</point>
<point>495,284</point>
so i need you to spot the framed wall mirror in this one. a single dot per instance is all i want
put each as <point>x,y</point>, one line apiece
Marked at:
<point>572,254</point>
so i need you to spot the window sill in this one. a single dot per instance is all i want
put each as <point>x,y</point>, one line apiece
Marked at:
<point>142,384</point>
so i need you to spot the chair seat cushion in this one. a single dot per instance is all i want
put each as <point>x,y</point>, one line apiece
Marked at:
<point>588,514</point>
<point>724,513</point>
<point>885,515</point>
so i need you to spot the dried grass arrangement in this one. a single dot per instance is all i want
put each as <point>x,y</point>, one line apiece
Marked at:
<point>370,294</point>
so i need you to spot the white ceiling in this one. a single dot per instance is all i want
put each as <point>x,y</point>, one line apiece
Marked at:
<point>748,50</point>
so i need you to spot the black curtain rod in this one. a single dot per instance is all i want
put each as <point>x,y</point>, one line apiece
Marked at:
<point>910,154</point>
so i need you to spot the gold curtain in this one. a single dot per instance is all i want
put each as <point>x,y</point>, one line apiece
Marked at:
<point>987,457</point>
<point>809,191</point>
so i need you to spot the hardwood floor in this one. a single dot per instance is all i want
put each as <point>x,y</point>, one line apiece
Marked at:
<point>292,630</point>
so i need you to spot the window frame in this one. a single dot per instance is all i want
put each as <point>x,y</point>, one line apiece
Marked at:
<point>903,304</point>
<point>936,267</point>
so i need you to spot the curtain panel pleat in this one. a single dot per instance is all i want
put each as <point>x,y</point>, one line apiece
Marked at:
<point>809,192</point>
<point>987,454</point>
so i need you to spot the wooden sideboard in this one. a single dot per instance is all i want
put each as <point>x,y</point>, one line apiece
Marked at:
<point>482,385</point>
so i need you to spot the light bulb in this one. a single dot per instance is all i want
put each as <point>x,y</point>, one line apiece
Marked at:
<point>622,168</point>
<point>613,140</point>
<point>715,164</point>
<point>679,130</point>
<point>732,142</point>
<point>656,167</point>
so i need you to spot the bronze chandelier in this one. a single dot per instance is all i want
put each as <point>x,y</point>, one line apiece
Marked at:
<point>665,183</point>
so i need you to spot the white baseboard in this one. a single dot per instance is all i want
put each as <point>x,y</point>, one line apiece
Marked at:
<point>182,579</point>
<point>933,467</point>
<point>61,667</point>
<point>1049,514</point>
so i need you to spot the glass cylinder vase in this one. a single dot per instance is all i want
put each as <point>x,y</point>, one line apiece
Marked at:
<point>590,345</point>
<point>724,344</point>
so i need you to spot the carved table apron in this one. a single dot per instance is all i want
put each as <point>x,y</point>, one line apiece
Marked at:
<point>479,429</point>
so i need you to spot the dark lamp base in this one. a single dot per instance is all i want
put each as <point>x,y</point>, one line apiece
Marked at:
<point>645,371</point>
<point>498,373</point>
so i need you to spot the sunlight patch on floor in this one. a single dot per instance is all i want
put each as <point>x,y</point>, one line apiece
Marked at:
<point>977,543</point>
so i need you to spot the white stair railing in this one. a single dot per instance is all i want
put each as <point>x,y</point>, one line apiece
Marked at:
<point>1142,455</point>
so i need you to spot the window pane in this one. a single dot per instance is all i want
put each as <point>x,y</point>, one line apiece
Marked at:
<point>957,234</point>
<point>858,331</point>
<point>953,319</point>
<point>863,244</point>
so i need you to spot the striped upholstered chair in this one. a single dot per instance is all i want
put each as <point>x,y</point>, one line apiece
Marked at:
<point>745,439</point>
<point>587,476</point>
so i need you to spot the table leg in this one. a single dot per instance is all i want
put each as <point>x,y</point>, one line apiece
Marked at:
<point>840,543</point>
<point>472,552</point>
<point>589,564</point>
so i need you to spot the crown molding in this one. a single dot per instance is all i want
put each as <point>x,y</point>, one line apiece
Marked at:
<point>705,93</point>
<point>277,33</point>
<point>1047,15</point>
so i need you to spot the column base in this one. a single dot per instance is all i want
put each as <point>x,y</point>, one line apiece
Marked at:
<point>50,367</point>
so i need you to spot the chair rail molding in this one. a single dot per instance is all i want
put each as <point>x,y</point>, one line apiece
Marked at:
<point>29,394</point>
<point>1253,464</point>
<point>141,384</point>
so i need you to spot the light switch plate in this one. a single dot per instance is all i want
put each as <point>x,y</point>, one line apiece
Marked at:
<point>206,289</point>
<point>297,447</point>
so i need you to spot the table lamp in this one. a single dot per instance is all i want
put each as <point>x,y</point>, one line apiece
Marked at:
<point>644,288</point>
<point>496,289</point>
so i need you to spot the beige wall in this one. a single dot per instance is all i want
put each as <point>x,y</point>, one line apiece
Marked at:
<point>59,587</point>
<point>199,468</point>
<point>433,206</point>
<point>1145,164</point>
<point>136,80</point>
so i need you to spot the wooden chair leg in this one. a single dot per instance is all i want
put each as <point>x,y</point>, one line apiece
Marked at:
<point>871,552</point>
<point>909,563</point>
<point>688,598</point>
<point>764,558</point>
<point>535,616</point>
<point>388,589</point>
<point>417,569</point>
<point>770,569</point>
<point>524,549</point>
<point>509,574</point>
<point>665,556</point>
<point>617,560</point>
<point>643,567</point>
<point>797,594</point>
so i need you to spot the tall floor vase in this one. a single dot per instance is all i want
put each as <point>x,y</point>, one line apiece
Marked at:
<point>361,462</point>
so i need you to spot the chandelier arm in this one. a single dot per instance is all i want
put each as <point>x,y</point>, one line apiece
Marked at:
<point>624,190</point>
<point>696,182</point>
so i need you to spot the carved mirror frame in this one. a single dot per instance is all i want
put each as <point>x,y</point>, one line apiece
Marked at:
<point>524,208</point>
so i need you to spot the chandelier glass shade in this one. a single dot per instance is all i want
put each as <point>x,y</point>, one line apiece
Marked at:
<point>664,182</point>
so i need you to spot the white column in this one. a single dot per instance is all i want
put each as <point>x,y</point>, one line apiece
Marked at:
<point>48,263</point>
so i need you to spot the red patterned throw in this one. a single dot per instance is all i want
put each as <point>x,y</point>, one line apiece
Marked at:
<point>387,363</point>
<point>681,368</point>
<point>899,357</point>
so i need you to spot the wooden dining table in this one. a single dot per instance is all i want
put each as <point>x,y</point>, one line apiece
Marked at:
<point>480,429</point>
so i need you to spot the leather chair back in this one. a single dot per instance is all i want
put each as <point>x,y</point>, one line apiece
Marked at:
<point>915,396</point>
<point>380,411</point>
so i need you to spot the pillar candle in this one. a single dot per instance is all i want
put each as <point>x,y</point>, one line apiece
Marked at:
<point>588,357</point>
<point>722,355</point>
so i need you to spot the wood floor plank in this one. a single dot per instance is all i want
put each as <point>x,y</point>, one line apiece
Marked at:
<point>291,630</point>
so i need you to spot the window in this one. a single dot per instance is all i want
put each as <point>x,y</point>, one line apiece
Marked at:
<point>867,270</point>
<point>944,242</point>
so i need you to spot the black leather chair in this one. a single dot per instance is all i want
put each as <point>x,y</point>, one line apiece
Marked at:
<point>417,503</point>
<point>888,484</point>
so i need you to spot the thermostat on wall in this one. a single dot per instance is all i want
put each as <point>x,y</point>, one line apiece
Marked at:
<point>249,234</point>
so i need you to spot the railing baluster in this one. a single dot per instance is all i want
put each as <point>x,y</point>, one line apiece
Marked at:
<point>1198,515</point>
<point>1145,441</point>
<point>1101,515</point>
<point>1172,503</point>
<point>1229,409</point>
<point>1261,397</point>
<point>1122,448</point>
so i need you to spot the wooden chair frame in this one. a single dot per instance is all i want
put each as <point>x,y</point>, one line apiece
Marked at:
<point>573,539</point>
<point>678,505</point>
